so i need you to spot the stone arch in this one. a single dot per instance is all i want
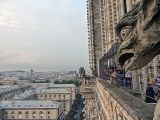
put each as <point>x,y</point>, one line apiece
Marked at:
<point>19,114</point>
<point>26,114</point>
<point>48,114</point>
<point>5,114</point>
<point>33,114</point>
<point>12,114</point>
<point>40,114</point>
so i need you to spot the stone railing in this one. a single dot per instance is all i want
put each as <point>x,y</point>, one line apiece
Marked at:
<point>107,102</point>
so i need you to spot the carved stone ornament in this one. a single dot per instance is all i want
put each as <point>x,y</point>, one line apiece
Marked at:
<point>89,83</point>
<point>139,31</point>
<point>82,72</point>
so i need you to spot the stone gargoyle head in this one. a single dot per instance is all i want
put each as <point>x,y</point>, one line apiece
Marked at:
<point>139,31</point>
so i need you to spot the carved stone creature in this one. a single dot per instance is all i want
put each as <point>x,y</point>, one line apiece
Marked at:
<point>139,31</point>
<point>81,72</point>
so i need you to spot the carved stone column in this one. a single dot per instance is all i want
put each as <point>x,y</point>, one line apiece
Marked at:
<point>134,81</point>
<point>122,8</point>
<point>87,89</point>
<point>155,64</point>
<point>129,5</point>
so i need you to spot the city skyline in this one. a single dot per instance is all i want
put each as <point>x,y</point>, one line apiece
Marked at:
<point>43,35</point>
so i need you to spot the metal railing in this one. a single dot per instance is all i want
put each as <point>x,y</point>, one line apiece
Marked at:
<point>127,86</point>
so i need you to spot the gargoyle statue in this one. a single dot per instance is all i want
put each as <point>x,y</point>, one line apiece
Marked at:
<point>82,72</point>
<point>139,31</point>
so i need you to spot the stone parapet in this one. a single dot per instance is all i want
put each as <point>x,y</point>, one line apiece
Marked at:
<point>121,105</point>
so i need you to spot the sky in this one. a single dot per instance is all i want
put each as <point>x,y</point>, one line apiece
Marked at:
<point>43,35</point>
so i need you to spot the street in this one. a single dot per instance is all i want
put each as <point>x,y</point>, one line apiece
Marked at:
<point>79,110</point>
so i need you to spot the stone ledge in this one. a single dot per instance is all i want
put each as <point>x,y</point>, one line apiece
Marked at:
<point>137,109</point>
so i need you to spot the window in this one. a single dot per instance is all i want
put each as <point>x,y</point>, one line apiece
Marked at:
<point>41,97</point>
<point>59,96</point>
<point>48,114</point>
<point>45,96</point>
<point>19,114</point>
<point>12,114</point>
<point>33,114</point>
<point>50,97</point>
<point>64,96</point>
<point>5,114</point>
<point>26,114</point>
<point>64,103</point>
<point>54,96</point>
<point>40,114</point>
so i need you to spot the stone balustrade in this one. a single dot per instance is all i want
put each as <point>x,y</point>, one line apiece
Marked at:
<point>112,103</point>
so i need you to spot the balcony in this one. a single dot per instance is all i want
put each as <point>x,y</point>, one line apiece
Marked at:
<point>135,108</point>
<point>115,104</point>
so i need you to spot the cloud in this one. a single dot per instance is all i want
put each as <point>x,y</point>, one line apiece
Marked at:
<point>43,34</point>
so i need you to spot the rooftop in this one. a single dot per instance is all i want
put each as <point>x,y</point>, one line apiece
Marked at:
<point>61,85</point>
<point>29,104</point>
<point>37,84</point>
<point>10,88</point>
<point>39,91</point>
<point>4,86</point>
<point>23,95</point>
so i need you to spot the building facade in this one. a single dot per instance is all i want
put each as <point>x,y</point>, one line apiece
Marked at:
<point>21,110</point>
<point>102,16</point>
<point>32,101</point>
<point>61,95</point>
<point>64,93</point>
<point>70,87</point>
<point>9,92</point>
<point>104,101</point>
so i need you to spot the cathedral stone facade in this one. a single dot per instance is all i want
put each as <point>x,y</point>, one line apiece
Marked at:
<point>104,101</point>
<point>103,15</point>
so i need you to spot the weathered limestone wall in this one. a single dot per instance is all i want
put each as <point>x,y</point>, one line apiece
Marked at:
<point>103,15</point>
<point>94,33</point>
<point>104,101</point>
<point>121,105</point>
<point>53,114</point>
<point>139,77</point>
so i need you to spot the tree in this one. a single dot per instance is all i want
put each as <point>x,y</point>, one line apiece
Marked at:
<point>48,81</point>
<point>56,82</point>
<point>75,82</point>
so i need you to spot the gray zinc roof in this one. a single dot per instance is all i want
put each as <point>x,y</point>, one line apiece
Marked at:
<point>40,91</point>
<point>29,104</point>
<point>11,88</point>
<point>61,85</point>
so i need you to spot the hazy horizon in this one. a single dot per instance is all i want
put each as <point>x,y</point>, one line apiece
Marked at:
<point>43,35</point>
